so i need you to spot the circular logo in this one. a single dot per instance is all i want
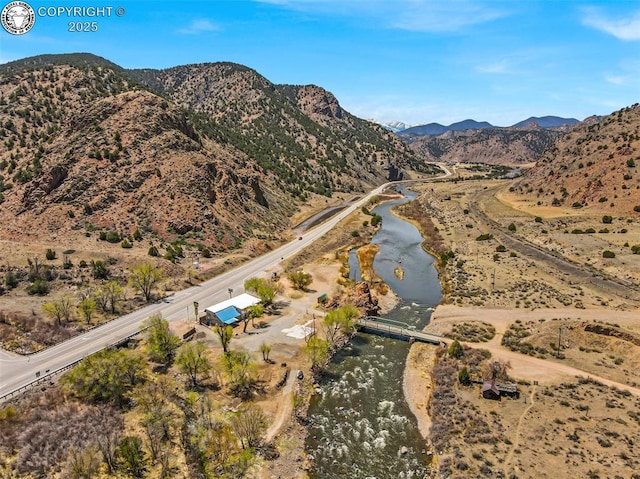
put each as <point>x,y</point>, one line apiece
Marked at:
<point>18,18</point>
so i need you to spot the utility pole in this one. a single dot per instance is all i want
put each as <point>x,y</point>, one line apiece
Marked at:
<point>493,283</point>
<point>559,333</point>
<point>230,292</point>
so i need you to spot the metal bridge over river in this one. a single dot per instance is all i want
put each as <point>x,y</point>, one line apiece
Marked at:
<point>396,329</point>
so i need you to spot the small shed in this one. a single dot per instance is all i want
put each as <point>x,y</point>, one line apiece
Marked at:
<point>490,391</point>
<point>231,310</point>
<point>508,389</point>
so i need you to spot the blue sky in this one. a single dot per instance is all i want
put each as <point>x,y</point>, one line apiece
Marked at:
<point>417,61</point>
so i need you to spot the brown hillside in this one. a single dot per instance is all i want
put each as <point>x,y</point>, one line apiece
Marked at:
<point>77,159</point>
<point>301,133</point>
<point>595,166</point>
<point>499,146</point>
<point>223,155</point>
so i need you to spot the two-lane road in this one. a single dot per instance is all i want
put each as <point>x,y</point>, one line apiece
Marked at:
<point>17,371</point>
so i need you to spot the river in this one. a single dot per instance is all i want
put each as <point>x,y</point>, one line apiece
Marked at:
<point>361,425</point>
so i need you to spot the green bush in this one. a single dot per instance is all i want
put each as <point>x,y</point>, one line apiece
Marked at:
<point>538,219</point>
<point>113,237</point>
<point>50,254</point>
<point>607,219</point>
<point>608,254</point>
<point>39,287</point>
<point>455,349</point>
<point>153,251</point>
<point>501,248</point>
<point>125,244</point>
<point>635,249</point>
<point>463,376</point>
<point>511,227</point>
<point>10,280</point>
<point>484,237</point>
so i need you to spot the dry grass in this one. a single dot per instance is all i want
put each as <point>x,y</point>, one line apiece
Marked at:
<point>569,429</point>
<point>472,331</point>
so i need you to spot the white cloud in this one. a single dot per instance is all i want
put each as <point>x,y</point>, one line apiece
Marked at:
<point>443,17</point>
<point>199,26</point>
<point>433,16</point>
<point>501,67</point>
<point>627,29</point>
<point>616,79</point>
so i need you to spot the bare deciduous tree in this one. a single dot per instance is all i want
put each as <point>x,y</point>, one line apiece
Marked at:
<point>249,424</point>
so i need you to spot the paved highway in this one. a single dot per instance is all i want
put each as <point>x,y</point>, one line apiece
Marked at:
<point>18,371</point>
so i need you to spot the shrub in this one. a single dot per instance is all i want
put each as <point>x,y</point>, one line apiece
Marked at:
<point>636,208</point>
<point>112,237</point>
<point>125,244</point>
<point>484,237</point>
<point>11,280</point>
<point>501,248</point>
<point>50,254</point>
<point>153,251</point>
<point>603,230</point>
<point>577,204</point>
<point>99,269</point>
<point>635,249</point>
<point>608,254</point>
<point>39,287</point>
<point>463,376</point>
<point>137,235</point>
<point>538,219</point>
<point>455,349</point>
<point>631,163</point>
<point>511,227</point>
<point>607,219</point>
<point>355,233</point>
<point>603,199</point>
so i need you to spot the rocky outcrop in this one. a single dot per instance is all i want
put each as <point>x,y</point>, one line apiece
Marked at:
<point>613,332</point>
<point>361,297</point>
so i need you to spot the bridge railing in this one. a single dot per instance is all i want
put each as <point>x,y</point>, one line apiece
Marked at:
<point>398,329</point>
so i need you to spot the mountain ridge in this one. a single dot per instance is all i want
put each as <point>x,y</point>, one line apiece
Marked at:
<point>212,151</point>
<point>436,129</point>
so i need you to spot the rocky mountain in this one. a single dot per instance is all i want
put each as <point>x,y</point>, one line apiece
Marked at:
<point>438,129</point>
<point>497,146</point>
<point>545,122</point>
<point>595,165</point>
<point>214,152</point>
<point>301,133</point>
<point>394,126</point>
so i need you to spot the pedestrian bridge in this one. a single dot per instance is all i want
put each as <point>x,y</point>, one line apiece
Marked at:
<point>395,329</point>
